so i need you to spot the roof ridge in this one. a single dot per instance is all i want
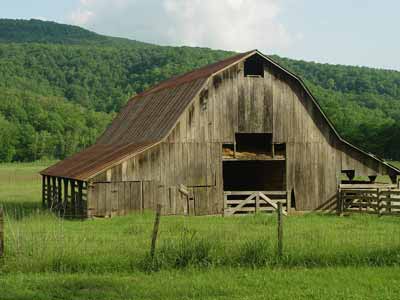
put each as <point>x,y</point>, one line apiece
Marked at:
<point>185,77</point>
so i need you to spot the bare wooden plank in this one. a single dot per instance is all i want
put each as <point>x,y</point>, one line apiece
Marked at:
<point>269,201</point>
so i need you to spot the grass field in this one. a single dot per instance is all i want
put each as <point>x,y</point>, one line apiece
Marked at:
<point>325,257</point>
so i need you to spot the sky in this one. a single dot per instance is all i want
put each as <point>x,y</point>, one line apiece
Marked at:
<point>350,32</point>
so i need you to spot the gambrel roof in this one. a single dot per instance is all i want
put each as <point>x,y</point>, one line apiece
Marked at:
<point>149,117</point>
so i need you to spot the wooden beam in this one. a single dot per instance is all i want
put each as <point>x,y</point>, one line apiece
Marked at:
<point>248,200</point>
<point>270,202</point>
<point>53,191</point>
<point>273,150</point>
<point>65,202</point>
<point>73,198</point>
<point>288,201</point>
<point>59,193</point>
<point>48,192</point>
<point>80,199</point>
<point>43,191</point>
<point>257,207</point>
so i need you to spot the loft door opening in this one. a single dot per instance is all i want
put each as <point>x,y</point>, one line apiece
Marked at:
<point>254,66</point>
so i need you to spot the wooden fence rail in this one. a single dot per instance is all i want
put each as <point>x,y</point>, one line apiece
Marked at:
<point>379,200</point>
<point>239,202</point>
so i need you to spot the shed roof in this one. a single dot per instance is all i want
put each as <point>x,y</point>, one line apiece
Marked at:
<point>148,118</point>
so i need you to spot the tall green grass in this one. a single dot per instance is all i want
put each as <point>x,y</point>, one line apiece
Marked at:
<point>38,241</point>
<point>44,243</point>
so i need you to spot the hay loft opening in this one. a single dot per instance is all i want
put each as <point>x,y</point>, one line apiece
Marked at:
<point>253,146</point>
<point>254,66</point>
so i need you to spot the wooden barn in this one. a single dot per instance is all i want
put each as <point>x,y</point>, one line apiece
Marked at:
<point>234,136</point>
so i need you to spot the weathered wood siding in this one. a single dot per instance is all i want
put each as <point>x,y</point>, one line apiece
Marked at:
<point>231,103</point>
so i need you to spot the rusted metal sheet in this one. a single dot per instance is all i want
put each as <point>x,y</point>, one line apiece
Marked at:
<point>151,117</point>
<point>94,159</point>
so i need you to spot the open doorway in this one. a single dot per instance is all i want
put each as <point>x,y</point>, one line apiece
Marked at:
<point>254,175</point>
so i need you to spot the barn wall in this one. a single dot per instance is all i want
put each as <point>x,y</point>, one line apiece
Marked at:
<point>231,103</point>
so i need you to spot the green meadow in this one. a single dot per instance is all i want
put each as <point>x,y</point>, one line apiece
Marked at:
<point>325,256</point>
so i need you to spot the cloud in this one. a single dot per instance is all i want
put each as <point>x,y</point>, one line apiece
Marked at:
<point>225,24</point>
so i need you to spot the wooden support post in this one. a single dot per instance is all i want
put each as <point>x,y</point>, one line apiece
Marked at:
<point>280,230</point>
<point>378,201</point>
<point>73,198</point>
<point>340,205</point>
<point>65,194</point>
<point>59,193</point>
<point>1,232</point>
<point>53,192</point>
<point>155,231</point>
<point>288,201</point>
<point>388,204</point>
<point>80,199</point>
<point>43,191</point>
<point>273,150</point>
<point>257,207</point>
<point>225,204</point>
<point>48,192</point>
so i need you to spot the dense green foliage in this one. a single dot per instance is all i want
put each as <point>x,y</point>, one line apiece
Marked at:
<point>363,103</point>
<point>60,85</point>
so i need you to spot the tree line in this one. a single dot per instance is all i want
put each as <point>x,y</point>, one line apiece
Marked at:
<point>59,93</point>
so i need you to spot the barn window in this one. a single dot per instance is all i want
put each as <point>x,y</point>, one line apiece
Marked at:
<point>254,66</point>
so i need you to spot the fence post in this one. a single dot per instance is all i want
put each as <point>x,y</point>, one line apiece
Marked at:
<point>280,230</point>
<point>257,207</point>
<point>378,201</point>
<point>155,231</point>
<point>1,232</point>
<point>339,203</point>
<point>388,203</point>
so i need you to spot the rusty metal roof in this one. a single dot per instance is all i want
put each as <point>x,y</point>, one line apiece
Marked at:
<point>92,160</point>
<point>151,116</point>
<point>144,121</point>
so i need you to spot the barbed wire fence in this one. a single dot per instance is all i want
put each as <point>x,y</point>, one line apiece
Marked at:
<point>41,241</point>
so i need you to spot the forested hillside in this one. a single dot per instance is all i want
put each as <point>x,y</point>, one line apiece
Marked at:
<point>60,86</point>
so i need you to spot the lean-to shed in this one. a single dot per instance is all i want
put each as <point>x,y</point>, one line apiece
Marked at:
<point>240,128</point>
